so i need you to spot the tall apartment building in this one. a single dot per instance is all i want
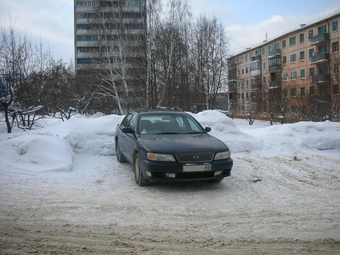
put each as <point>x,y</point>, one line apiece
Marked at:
<point>294,76</point>
<point>105,30</point>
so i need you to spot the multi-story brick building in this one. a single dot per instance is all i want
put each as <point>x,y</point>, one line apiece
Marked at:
<point>295,76</point>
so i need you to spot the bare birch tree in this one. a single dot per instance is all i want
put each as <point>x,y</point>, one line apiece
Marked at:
<point>119,28</point>
<point>210,50</point>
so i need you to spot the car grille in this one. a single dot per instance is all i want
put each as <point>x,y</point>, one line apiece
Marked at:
<point>195,157</point>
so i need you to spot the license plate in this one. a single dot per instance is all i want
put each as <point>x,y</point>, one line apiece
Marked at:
<point>197,168</point>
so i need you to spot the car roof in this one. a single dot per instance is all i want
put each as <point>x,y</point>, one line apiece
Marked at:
<point>153,111</point>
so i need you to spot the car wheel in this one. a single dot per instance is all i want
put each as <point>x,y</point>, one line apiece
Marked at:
<point>120,157</point>
<point>139,176</point>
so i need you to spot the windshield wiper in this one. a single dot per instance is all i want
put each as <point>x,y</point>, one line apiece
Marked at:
<point>167,133</point>
<point>194,132</point>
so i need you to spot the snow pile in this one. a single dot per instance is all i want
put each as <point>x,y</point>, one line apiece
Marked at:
<point>36,153</point>
<point>54,147</point>
<point>311,135</point>
<point>225,129</point>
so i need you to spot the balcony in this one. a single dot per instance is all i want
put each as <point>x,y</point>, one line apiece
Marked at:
<point>274,84</point>
<point>232,75</point>
<point>320,38</point>
<point>320,58</point>
<point>256,85</point>
<point>256,99</point>
<point>255,72</point>
<point>255,65</point>
<point>275,68</point>
<point>232,66</point>
<point>255,58</point>
<point>321,78</point>
<point>232,101</point>
<point>322,98</point>
<point>274,53</point>
<point>233,86</point>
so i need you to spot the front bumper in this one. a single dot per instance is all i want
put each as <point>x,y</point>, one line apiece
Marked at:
<point>173,171</point>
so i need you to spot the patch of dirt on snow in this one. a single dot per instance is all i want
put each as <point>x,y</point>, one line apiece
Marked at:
<point>277,205</point>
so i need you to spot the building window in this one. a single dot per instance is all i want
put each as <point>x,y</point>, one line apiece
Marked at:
<point>263,51</point>
<point>302,55</point>
<point>312,91</point>
<point>302,92</point>
<point>293,75</point>
<point>336,89</point>
<point>311,71</point>
<point>311,53</point>
<point>302,73</point>
<point>294,109</point>
<point>292,58</point>
<point>322,29</point>
<point>335,47</point>
<point>302,38</point>
<point>284,44</point>
<point>246,69</point>
<point>285,93</point>
<point>310,34</point>
<point>264,80</point>
<point>336,68</point>
<point>334,26</point>
<point>277,45</point>
<point>292,41</point>
<point>285,76</point>
<point>293,92</point>
<point>264,65</point>
<point>284,60</point>
<point>323,69</point>
<point>242,71</point>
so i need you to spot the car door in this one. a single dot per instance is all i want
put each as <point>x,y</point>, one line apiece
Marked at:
<point>122,136</point>
<point>130,140</point>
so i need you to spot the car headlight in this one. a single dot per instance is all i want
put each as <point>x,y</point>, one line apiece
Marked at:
<point>160,157</point>
<point>222,155</point>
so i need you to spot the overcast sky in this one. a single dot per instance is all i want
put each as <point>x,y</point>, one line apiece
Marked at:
<point>246,21</point>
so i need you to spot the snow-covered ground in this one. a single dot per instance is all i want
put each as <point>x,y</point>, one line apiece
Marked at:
<point>63,192</point>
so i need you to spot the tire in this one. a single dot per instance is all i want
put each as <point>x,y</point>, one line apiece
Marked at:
<point>119,155</point>
<point>139,176</point>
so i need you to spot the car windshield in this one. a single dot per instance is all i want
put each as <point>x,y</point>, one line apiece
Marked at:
<point>162,123</point>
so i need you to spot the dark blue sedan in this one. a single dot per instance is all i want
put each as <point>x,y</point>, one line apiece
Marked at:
<point>170,146</point>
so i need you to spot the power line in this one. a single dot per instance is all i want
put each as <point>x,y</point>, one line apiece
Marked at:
<point>49,15</point>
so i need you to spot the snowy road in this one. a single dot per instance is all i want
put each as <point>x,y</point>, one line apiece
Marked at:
<point>276,204</point>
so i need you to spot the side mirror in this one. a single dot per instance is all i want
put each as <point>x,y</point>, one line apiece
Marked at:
<point>207,129</point>
<point>128,130</point>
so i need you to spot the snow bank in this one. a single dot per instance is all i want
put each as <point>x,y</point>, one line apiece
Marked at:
<point>36,153</point>
<point>225,129</point>
<point>53,148</point>
<point>310,135</point>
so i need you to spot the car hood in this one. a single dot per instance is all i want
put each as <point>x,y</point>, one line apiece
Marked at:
<point>181,143</point>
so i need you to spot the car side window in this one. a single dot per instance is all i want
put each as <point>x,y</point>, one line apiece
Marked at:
<point>126,121</point>
<point>193,125</point>
<point>132,122</point>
